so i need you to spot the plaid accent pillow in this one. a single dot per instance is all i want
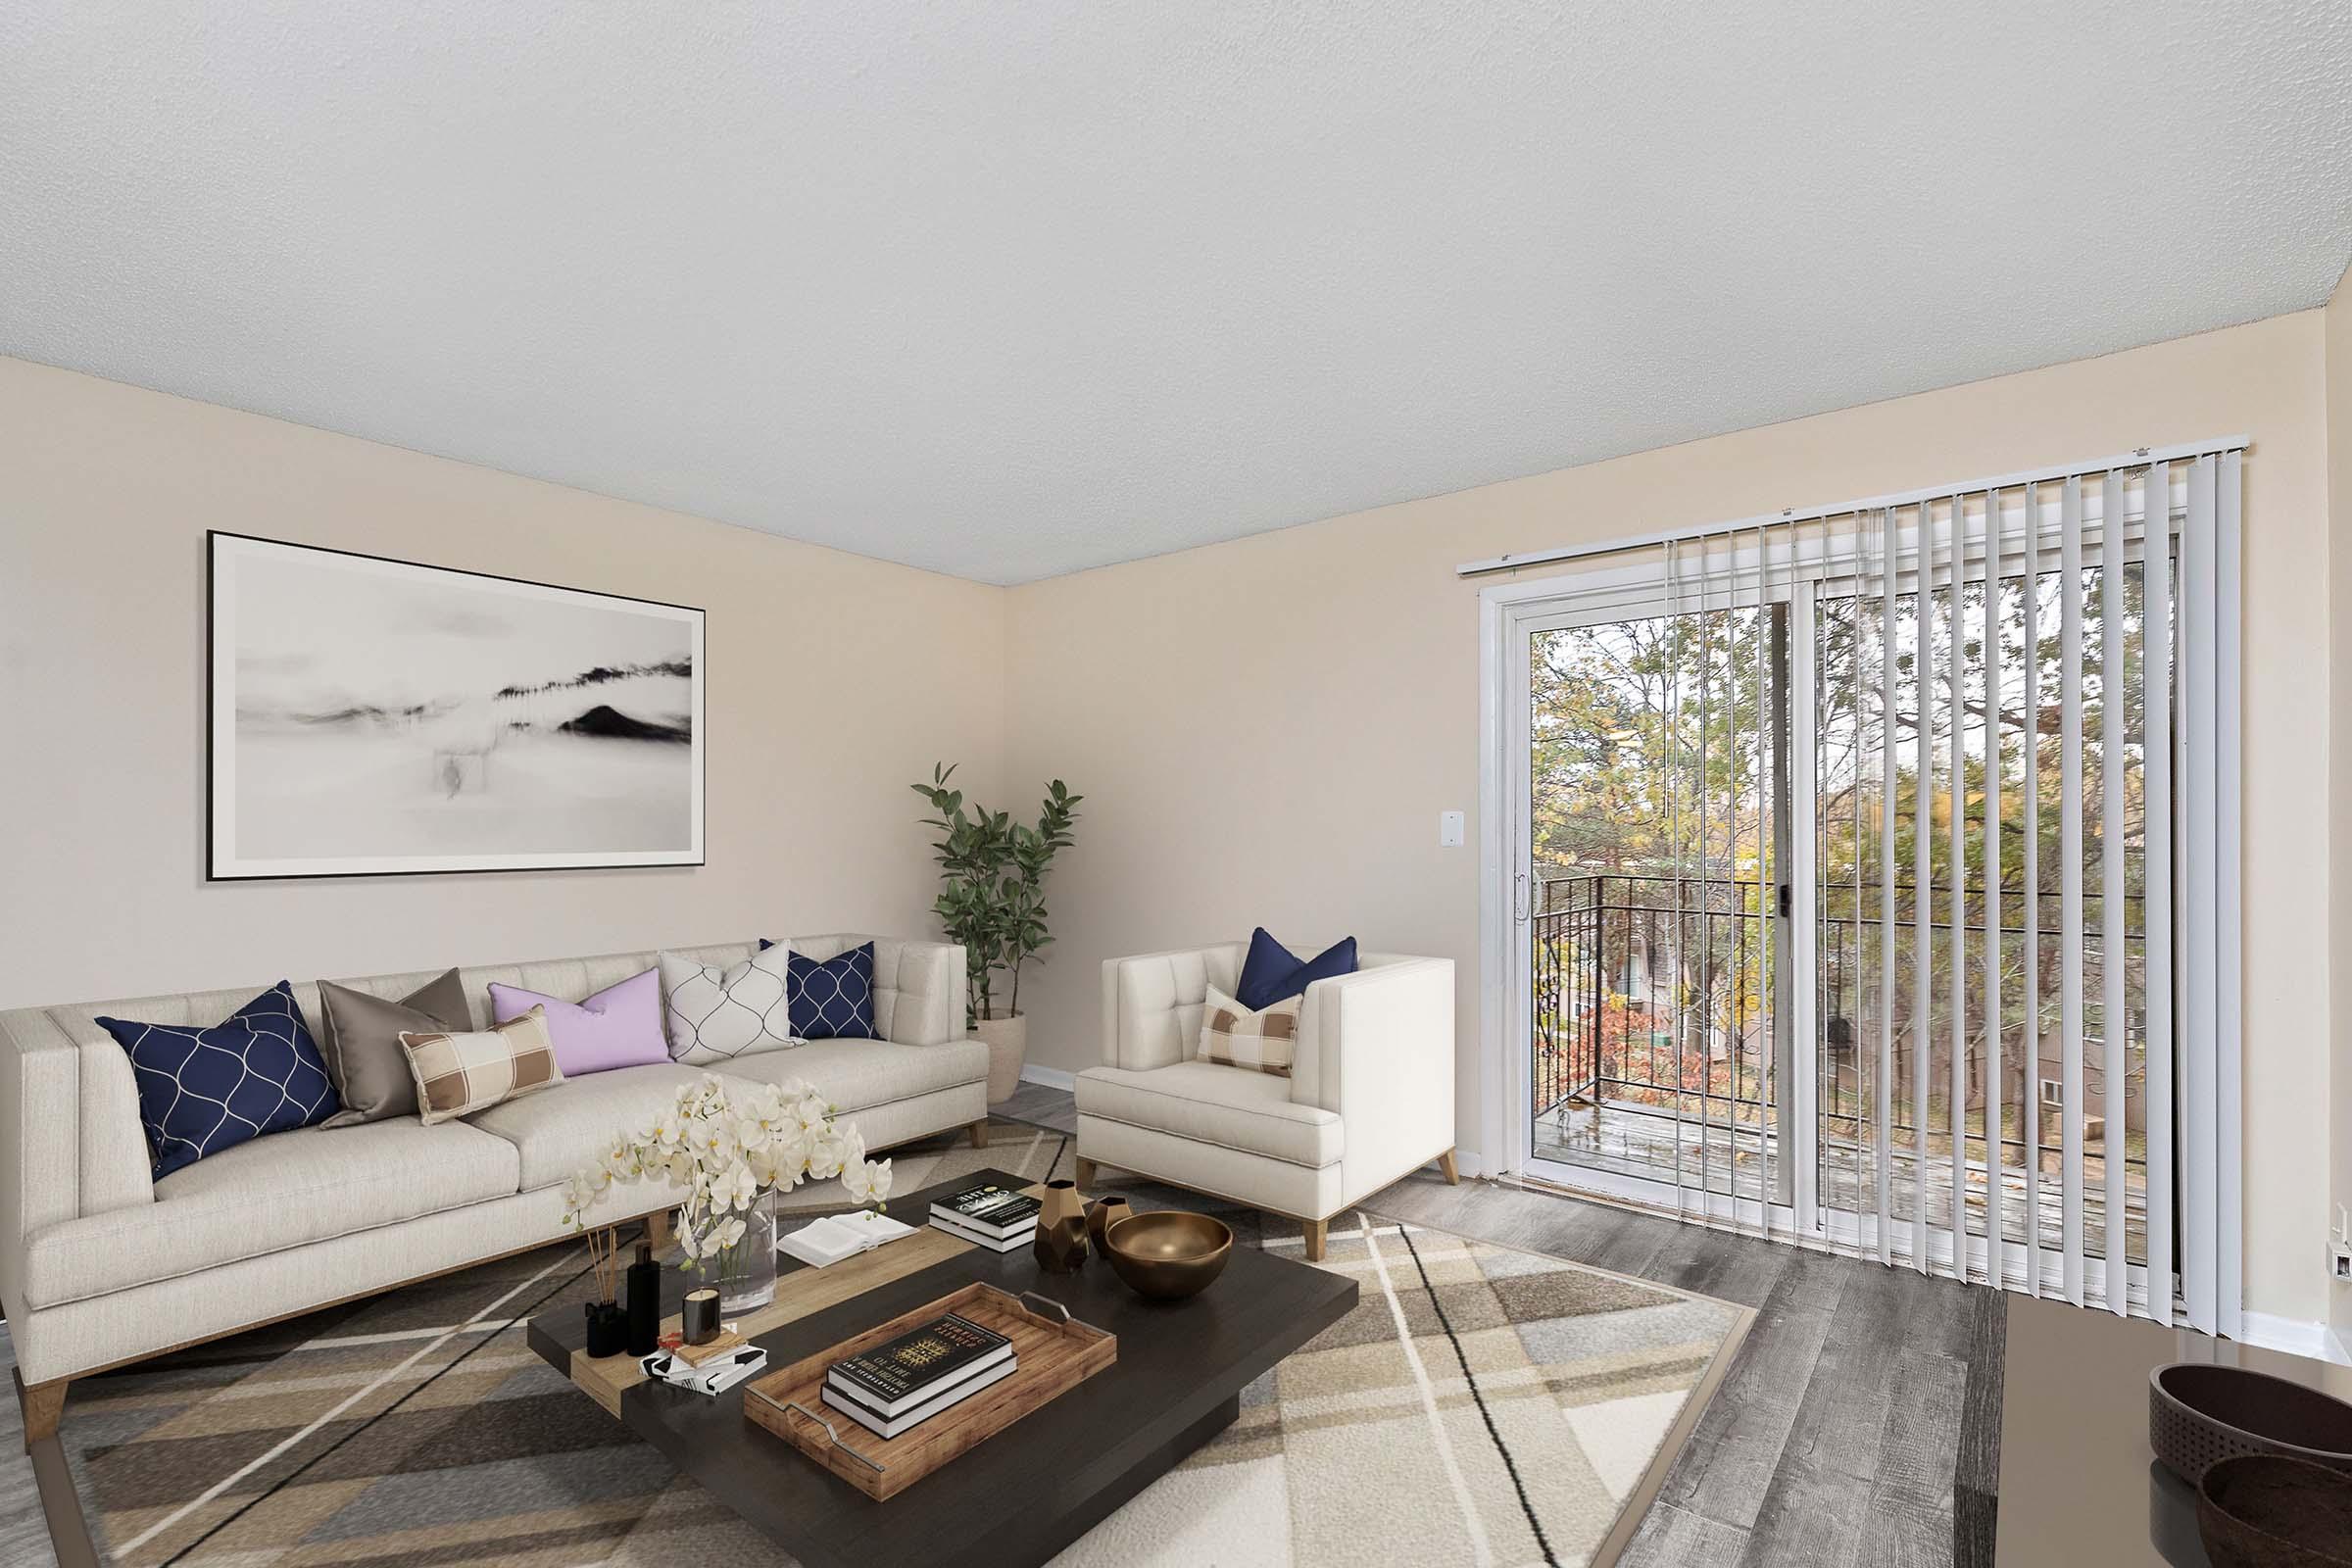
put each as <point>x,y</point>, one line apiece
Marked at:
<point>458,1074</point>
<point>1232,1036</point>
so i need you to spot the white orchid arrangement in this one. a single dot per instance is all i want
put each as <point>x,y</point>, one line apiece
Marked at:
<point>725,1147</point>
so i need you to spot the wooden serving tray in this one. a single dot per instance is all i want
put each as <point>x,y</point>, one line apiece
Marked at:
<point>1055,1351</point>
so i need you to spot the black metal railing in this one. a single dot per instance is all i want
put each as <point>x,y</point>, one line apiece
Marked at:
<point>1624,962</point>
<point>1604,1016</point>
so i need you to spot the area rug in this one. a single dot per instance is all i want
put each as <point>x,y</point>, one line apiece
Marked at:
<point>1480,1404</point>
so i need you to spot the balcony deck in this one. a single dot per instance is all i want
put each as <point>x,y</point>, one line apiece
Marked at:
<point>1628,1139</point>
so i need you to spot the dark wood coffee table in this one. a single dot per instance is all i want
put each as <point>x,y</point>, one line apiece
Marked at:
<point>1032,1488</point>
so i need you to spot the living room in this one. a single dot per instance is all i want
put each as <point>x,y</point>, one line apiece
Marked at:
<point>1387,732</point>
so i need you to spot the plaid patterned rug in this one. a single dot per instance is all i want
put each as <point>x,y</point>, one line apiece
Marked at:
<point>1479,1405</point>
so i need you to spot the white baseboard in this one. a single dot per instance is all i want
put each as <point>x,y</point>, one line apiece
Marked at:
<point>2295,1336</point>
<point>1049,1077</point>
<point>1468,1163</point>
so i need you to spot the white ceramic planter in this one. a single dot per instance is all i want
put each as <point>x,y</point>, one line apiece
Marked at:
<point>1008,1042</point>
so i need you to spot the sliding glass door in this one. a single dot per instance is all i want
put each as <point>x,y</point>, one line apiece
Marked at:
<point>1655,767</point>
<point>1854,877</point>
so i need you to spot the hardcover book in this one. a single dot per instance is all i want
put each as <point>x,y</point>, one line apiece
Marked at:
<point>900,1371</point>
<point>972,1372</point>
<point>891,1426</point>
<point>988,1206</point>
<point>1010,1242</point>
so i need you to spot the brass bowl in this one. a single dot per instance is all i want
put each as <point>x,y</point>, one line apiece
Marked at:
<point>1168,1254</point>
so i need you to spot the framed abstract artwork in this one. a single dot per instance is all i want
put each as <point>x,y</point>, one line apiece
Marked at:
<point>371,718</point>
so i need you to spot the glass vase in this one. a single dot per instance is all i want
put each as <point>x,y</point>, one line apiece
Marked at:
<point>746,1271</point>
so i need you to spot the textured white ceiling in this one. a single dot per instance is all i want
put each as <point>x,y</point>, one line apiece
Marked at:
<point>1011,290</point>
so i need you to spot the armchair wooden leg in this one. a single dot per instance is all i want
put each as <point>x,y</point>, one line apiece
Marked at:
<point>1454,1176</point>
<point>1086,1172</point>
<point>979,1132</point>
<point>657,1230</point>
<point>42,1404</point>
<point>1315,1229</point>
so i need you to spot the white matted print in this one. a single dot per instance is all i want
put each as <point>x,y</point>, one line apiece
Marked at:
<point>373,717</point>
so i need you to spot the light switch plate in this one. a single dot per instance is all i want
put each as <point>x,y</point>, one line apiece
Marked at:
<point>1449,830</point>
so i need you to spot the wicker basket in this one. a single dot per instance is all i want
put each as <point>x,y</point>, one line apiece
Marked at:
<point>2200,1413</point>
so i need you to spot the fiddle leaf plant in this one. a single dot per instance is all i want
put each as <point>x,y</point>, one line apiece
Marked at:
<point>992,875</point>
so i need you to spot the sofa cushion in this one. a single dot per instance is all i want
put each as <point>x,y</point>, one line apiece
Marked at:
<point>620,1026</point>
<point>359,1035</point>
<point>918,986</point>
<point>556,1134</point>
<point>1233,1036</point>
<point>268,1195</point>
<point>718,1012</point>
<point>205,1090</point>
<point>465,1074</point>
<point>854,1075</point>
<point>1273,973</point>
<point>833,998</point>
<point>1230,1107</point>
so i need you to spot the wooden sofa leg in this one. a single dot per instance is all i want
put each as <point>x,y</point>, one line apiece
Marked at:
<point>657,1230</point>
<point>979,1130</point>
<point>1454,1176</point>
<point>1315,1229</point>
<point>43,1403</point>
<point>1086,1172</point>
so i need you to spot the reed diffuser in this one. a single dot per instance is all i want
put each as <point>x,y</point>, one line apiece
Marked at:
<point>607,1322</point>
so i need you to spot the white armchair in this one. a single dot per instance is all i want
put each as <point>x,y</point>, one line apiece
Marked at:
<point>1370,1095</point>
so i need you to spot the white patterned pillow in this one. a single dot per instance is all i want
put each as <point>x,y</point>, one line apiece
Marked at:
<point>715,1015</point>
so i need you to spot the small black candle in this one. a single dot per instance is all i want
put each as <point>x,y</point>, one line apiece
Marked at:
<point>700,1317</point>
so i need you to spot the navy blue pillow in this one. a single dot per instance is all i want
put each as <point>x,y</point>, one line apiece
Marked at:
<point>1271,973</point>
<point>832,998</point>
<point>205,1090</point>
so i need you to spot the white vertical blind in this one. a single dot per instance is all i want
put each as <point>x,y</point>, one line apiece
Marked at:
<point>1883,1139</point>
<point>2114,1021</point>
<point>2030,890</point>
<point>2156,915</point>
<point>1987,766</point>
<point>1954,959</point>
<point>2070,872</point>
<point>2200,1269</point>
<point>1997,1188</point>
<point>2225,955</point>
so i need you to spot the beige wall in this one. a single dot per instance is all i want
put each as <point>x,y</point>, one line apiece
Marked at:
<point>2338,320</point>
<point>1266,730</point>
<point>833,682</point>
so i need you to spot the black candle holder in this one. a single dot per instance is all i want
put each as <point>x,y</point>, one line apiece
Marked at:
<point>697,1316</point>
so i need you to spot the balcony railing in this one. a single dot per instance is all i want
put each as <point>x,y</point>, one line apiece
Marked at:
<point>1604,1017</point>
<point>1607,945</point>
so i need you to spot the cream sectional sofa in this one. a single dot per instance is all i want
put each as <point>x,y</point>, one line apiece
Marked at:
<point>100,1265</point>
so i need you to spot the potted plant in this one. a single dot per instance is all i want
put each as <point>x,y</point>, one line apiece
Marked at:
<point>732,1150</point>
<point>992,873</point>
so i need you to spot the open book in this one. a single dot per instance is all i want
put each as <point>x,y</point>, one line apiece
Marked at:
<point>838,1236</point>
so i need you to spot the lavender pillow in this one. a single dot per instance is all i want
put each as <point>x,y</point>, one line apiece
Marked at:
<point>620,1026</point>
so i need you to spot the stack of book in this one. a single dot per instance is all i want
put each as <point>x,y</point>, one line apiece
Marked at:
<point>714,1374</point>
<point>985,1214</point>
<point>904,1382</point>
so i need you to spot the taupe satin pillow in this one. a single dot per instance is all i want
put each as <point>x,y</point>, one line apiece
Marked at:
<point>359,1037</point>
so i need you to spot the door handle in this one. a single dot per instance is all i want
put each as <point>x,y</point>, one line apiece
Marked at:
<point>1519,897</point>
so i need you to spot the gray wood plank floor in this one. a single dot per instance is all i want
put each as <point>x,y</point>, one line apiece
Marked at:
<point>1836,1437</point>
